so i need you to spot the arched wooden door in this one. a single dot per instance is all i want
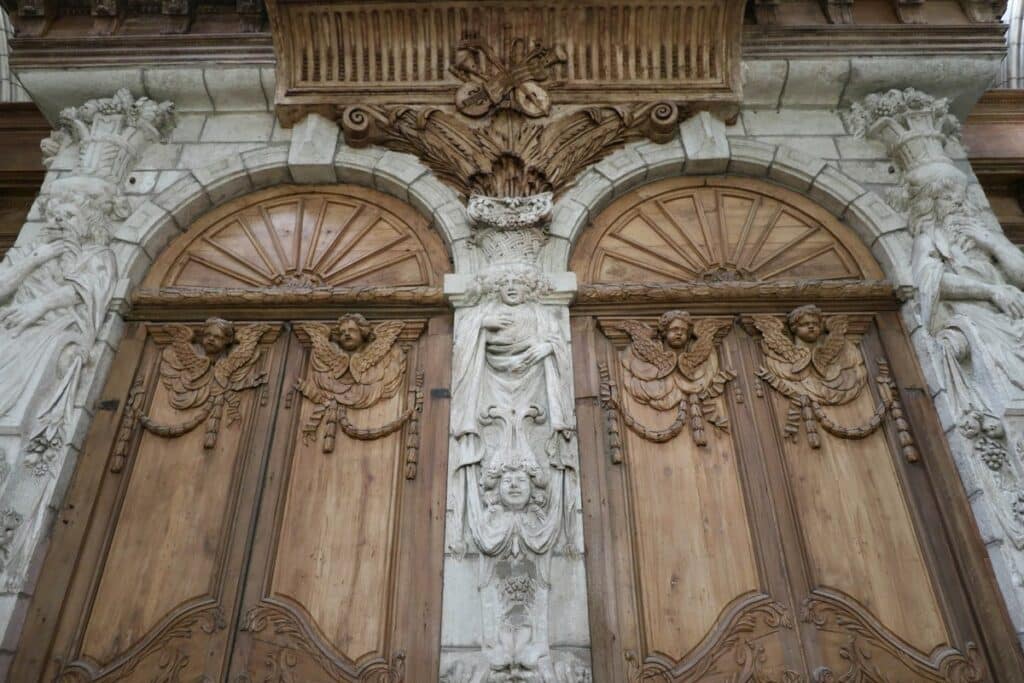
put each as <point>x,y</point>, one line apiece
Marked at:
<point>261,496</point>
<point>767,492</point>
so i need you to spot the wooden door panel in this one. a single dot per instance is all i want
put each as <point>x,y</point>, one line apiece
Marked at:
<point>322,599</point>
<point>693,600</point>
<point>172,528</point>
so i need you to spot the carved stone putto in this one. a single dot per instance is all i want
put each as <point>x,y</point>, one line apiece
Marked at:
<point>204,373</point>
<point>674,367</point>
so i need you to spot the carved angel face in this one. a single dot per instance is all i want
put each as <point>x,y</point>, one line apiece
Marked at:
<point>513,291</point>
<point>677,333</point>
<point>807,327</point>
<point>349,335</point>
<point>515,489</point>
<point>215,338</point>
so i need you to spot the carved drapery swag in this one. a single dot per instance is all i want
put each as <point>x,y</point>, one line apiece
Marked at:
<point>671,368</point>
<point>355,365</point>
<point>54,294</point>
<point>969,278</point>
<point>809,359</point>
<point>514,495</point>
<point>204,374</point>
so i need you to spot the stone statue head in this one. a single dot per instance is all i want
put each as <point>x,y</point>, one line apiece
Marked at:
<point>514,487</point>
<point>218,334</point>
<point>675,327</point>
<point>82,209</point>
<point>512,284</point>
<point>352,331</point>
<point>806,323</point>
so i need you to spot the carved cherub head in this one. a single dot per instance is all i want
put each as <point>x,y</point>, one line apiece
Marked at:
<point>675,327</point>
<point>217,335</point>
<point>352,331</point>
<point>806,323</point>
<point>514,487</point>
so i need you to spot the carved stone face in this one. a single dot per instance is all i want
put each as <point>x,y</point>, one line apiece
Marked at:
<point>807,328</point>
<point>515,489</point>
<point>349,336</point>
<point>215,339</point>
<point>512,292</point>
<point>677,333</point>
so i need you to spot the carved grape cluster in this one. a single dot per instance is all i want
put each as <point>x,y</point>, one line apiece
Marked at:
<point>519,590</point>
<point>1018,507</point>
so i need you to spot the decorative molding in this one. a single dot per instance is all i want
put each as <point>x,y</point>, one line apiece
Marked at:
<point>510,154</point>
<point>734,641</point>
<point>206,381</point>
<point>672,368</point>
<point>353,365</point>
<point>833,611</point>
<point>293,633</point>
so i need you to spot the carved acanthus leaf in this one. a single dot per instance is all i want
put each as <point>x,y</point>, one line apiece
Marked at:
<point>509,154</point>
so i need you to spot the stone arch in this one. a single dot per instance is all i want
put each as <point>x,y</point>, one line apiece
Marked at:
<point>161,218</point>
<point>878,226</point>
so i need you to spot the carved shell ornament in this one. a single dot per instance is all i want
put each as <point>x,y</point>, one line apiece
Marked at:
<point>810,360</point>
<point>355,365</point>
<point>204,371</point>
<point>671,367</point>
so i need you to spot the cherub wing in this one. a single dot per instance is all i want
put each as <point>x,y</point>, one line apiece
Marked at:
<point>364,360</point>
<point>648,347</point>
<point>709,334</point>
<point>183,371</point>
<point>327,359</point>
<point>776,343</point>
<point>828,349</point>
<point>236,366</point>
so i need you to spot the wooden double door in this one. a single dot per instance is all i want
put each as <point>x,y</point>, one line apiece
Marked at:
<point>760,515</point>
<point>230,520</point>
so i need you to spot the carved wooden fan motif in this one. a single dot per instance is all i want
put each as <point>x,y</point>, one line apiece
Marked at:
<point>720,232</point>
<point>300,240</point>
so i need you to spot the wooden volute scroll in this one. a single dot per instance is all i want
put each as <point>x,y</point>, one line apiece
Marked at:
<point>799,544</point>
<point>255,506</point>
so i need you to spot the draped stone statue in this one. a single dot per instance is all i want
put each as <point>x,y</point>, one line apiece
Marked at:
<point>54,298</point>
<point>969,280</point>
<point>514,497</point>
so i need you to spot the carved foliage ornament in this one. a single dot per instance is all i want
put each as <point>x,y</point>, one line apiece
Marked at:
<point>673,367</point>
<point>355,366</point>
<point>509,155</point>
<point>207,379</point>
<point>810,360</point>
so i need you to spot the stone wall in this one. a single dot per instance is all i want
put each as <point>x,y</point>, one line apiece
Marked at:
<point>227,142</point>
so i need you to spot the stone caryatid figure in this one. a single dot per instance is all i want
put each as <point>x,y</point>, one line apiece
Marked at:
<point>514,496</point>
<point>968,274</point>
<point>54,293</point>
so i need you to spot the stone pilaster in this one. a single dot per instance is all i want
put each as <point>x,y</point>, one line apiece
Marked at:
<point>515,587</point>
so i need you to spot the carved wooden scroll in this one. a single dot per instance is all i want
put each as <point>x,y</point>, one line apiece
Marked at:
<point>810,360</point>
<point>205,372</point>
<point>355,365</point>
<point>671,368</point>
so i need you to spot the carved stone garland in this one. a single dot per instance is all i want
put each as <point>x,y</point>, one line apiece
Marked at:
<point>514,499</point>
<point>969,278</point>
<point>207,380</point>
<point>810,360</point>
<point>364,367</point>
<point>685,377</point>
<point>509,154</point>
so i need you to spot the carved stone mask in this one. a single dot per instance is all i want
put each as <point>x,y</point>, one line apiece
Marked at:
<point>515,489</point>
<point>349,335</point>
